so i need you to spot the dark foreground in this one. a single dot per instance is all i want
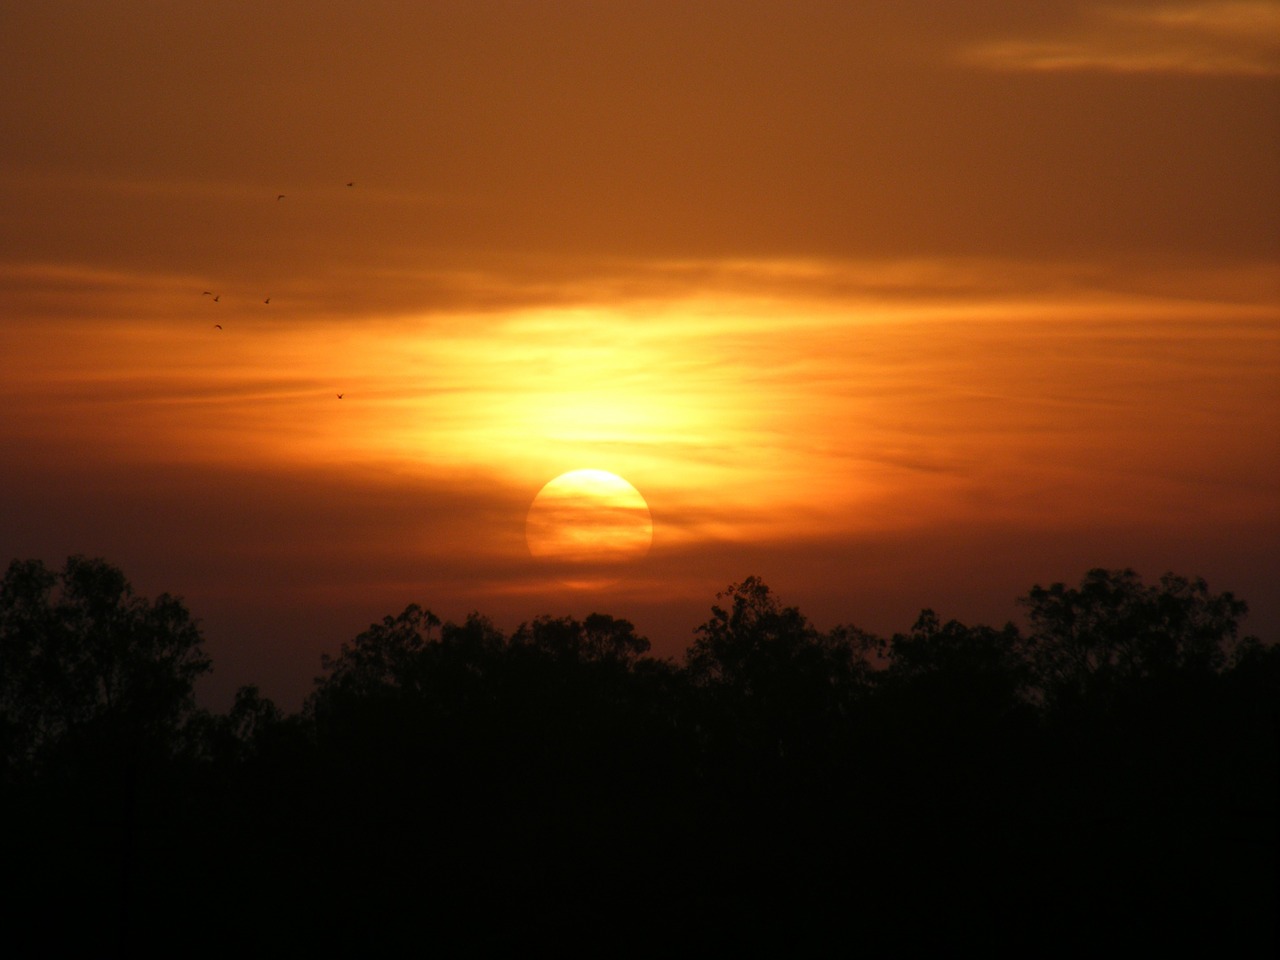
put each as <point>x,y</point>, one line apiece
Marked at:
<point>1106,781</point>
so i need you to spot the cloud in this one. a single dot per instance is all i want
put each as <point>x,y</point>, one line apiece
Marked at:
<point>1211,39</point>
<point>780,417</point>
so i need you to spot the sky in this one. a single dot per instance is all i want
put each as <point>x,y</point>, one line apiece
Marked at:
<point>893,304</point>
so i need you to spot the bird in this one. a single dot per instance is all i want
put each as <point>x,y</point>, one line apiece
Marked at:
<point>339,396</point>
<point>218,325</point>
<point>279,196</point>
<point>207,293</point>
<point>268,300</point>
<point>217,298</point>
<point>351,183</point>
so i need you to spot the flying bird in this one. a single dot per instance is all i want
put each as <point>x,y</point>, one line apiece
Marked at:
<point>351,183</point>
<point>268,300</point>
<point>207,293</point>
<point>279,196</point>
<point>218,325</point>
<point>339,396</point>
<point>217,298</point>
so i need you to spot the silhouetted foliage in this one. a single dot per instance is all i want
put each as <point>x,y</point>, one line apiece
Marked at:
<point>772,688</point>
<point>607,638</point>
<point>383,655</point>
<point>749,641</point>
<point>782,787</point>
<point>600,638</point>
<point>86,664</point>
<point>251,715</point>
<point>758,648</point>
<point>959,670</point>
<point>250,730</point>
<point>99,730</point>
<point>1114,631</point>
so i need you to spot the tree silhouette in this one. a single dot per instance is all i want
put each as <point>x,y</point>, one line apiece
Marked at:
<point>599,638</point>
<point>382,655</point>
<point>756,643</point>
<point>786,783</point>
<point>959,672</point>
<point>86,664</point>
<point>96,715</point>
<point>771,683</point>
<point>1113,631</point>
<point>251,730</point>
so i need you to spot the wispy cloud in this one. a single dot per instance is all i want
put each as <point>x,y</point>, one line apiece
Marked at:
<point>1229,39</point>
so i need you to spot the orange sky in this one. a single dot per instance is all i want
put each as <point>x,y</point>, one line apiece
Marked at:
<point>892,304</point>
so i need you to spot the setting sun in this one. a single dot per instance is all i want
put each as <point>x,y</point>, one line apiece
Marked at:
<point>554,325</point>
<point>588,522</point>
<point>850,293</point>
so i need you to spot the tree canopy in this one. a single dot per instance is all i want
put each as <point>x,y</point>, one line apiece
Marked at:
<point>83,660</point>
<point>783,780</point>
<point>1114,631</point>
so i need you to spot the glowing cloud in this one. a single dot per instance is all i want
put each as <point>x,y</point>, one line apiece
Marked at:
<point>1239,38</point>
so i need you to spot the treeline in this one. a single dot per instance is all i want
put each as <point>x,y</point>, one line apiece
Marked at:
<point>1106,777</point>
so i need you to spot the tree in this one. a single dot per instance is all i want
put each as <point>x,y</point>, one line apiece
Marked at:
<point>774,678</point>
<point>382,656</point>
<point>86,663</point>
<point>241,735</point>
<point>756,643</point>
<point>970,657</point>
<point>956,679</point>
<point>751,642</point>
<point>609,638</point>
<point>600,638</point>
<point>1115,631</point>
<point>398,680</point>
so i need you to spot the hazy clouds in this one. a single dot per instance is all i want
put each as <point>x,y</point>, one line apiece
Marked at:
<point>870,299</point>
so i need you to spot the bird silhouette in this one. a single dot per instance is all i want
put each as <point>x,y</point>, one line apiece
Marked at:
<point>218,325</point>
<point>268,300</point>
<point>207,293</point>
<point>279,196</point>
<point>217,298</point>
<point>351,183</point>
<point>339,396</point>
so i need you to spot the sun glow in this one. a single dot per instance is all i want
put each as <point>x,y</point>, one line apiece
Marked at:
<point>866,415</point>
<point>588,523</point>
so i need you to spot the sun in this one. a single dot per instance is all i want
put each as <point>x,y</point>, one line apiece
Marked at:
<point>587,524</point>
